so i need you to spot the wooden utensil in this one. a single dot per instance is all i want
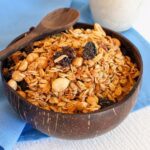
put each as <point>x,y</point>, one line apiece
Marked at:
<point>56,21</point>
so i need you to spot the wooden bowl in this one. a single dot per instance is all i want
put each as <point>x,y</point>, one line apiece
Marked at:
<point>78,126</point>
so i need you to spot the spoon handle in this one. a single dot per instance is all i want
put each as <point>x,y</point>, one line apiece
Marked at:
<point>18,45</point>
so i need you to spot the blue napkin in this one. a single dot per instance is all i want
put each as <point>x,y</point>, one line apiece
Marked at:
<point>144,48</point>
<point>18,18</point>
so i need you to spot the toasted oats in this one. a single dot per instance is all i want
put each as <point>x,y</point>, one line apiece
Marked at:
<point>23,94</point>
<point>79,86</point>
<point>92,100</point>
<point>61,104</point>
<point>118,91</point>
<point>81,105</point>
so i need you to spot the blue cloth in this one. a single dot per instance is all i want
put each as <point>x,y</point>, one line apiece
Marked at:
<point>144,48</point>
<point>17,17</point>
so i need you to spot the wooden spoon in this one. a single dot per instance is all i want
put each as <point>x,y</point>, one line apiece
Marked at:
<point>56,21</point>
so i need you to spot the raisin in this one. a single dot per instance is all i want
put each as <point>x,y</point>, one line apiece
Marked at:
<point>57,54</point>
<point>24,85</point>
<point>89,51</point>
<point>105,103</point>
<point>67,60</point>
<point>9,63</point>
<point>21,57</point>
<point>8,75</point>
<point>123,50</point>
<point>69,52</point>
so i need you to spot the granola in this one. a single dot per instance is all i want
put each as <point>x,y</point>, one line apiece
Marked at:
<point>79,70</point>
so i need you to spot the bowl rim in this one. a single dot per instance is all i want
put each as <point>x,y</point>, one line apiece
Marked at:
<point>113,106</point>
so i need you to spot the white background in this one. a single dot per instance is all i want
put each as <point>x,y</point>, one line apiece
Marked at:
<point>142,24</point>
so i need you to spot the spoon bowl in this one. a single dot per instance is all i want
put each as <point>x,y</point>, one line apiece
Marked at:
<point>53,20</point>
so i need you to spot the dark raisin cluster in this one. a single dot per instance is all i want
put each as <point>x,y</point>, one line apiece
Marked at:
<point>105,103</point>
<point>67,60</point>
<point>7,74</point>
<point>89,51</point>
<point>21,57</point>
<point>24,85</point>
<point>9,63</point>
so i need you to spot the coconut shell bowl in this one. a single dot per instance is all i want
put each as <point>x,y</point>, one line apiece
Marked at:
<point>81,125</point>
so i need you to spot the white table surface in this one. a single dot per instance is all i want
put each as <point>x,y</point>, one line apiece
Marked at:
<point>132,134</point>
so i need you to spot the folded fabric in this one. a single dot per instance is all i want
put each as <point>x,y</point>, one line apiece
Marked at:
<point>18,18</point>
<point>144,48</point>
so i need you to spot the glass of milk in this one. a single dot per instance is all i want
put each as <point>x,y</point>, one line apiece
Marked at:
<point>117,15</point>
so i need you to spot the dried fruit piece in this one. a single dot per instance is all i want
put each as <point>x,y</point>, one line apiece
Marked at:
<point>21,57</point>
<point>9,63</point>
<point>89,51</point>
<point>7,73</point>
<point>67,60</point>
<point>63,62</point>
<point>105,103</point>
<point>17,56</point>
<point>69,52</point>
<point>124,50</point>
<point>24,85</point>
